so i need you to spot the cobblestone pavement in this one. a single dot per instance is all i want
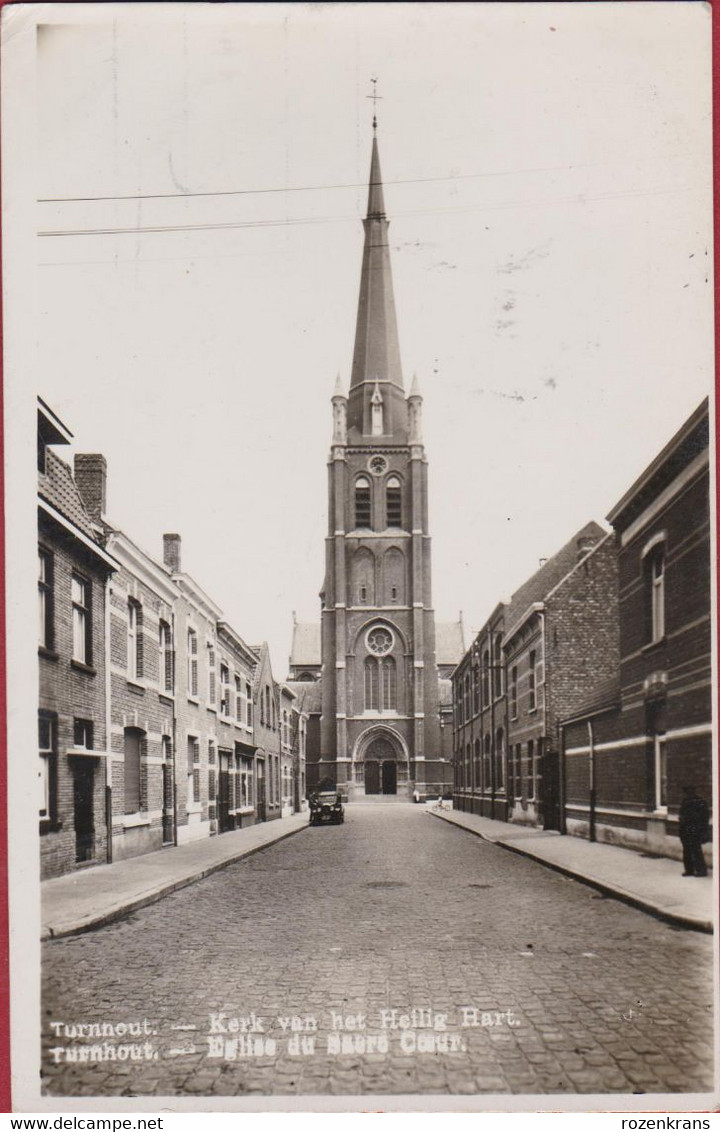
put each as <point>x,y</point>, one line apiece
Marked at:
<point>392,911</point>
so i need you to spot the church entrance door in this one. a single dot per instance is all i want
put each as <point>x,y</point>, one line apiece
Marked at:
<point>372,777</point>
<point>389,777</point>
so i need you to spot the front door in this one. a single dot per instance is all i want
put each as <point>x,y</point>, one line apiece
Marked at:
<point>225,821</point>
<point>372,777</point>
<point>550,789</point>
<point>83,810</point>
<point>389,777</point>
<point>261,806</point>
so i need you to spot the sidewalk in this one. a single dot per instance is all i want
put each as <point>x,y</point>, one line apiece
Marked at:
<point>99,895</point>
<point>654,884</point>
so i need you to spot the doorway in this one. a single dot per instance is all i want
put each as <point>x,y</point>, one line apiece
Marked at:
<point>225,821</point>
<point>83,810</point>
<point>389,777</point>
<point>372,777</point>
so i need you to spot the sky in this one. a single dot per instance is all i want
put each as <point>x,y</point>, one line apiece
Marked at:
<point>548,181</point>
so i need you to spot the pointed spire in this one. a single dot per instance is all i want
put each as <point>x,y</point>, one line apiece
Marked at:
<point>415,387</point>
<point>377,351</point>
<point>376,200</point>
<point>338,391</point>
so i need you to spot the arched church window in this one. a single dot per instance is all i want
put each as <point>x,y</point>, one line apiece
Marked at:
<point>389,684</point>
<point>393,502</point>
<point>362,587</point>
<point>372,698</point>
<point>362,502</point>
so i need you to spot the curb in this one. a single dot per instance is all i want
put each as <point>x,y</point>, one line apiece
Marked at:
<point>677,919</point>
<point>100,921</point>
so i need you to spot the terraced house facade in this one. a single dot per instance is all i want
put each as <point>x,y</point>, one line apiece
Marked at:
<point>640,737</point>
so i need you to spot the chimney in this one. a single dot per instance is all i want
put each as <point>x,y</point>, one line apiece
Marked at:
<point>584,545</point>
<point>91,479</point>
<point>171,552</point>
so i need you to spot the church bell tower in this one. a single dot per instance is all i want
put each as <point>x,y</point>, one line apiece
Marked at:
<point>379,730</point>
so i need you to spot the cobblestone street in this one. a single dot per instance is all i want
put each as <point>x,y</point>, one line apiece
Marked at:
<point>504,976</point>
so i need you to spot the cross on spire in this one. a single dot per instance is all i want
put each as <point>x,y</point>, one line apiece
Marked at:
<point>375,97</point>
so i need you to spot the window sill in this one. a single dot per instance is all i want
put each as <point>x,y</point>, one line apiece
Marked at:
<point>131,821</point>
<point>136,687</point>
<point>193,700</point>
<point>49,654</point>
<point>209,707</point>
<point>193,808</point>
<point>81,666</point>
<point>50,825</point>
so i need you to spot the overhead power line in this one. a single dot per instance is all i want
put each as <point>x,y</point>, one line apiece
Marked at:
<point>578,198</point>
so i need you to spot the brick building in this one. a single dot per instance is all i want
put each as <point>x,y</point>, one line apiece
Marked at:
<point>74,571</point>
<point>631,745</point>
<point>267,716</point>
<point>480,724</point>
<point>533,662</point>
<point>235,782</point>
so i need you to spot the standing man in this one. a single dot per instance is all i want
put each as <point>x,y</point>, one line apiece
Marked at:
<point>693,822</point>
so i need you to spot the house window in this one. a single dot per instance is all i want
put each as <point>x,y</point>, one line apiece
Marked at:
<point>83,734</point>
<point>81,644</point>
<point>655,584</point>
<point>225,691</point>
<point>487,770</point>
<point>46,766</point>
<point>500,759</point>
<point>497,666</point>
<point>248,695</point>
<point>192,645</point>
<point>531,769</point>
<point>239,713</point>
<point>532,701</point>
<point>459,701</point>
<point>393,502</point>
<point>212,690</point>
<point>167,658</point>
<point>193,769</point>
<point>657,732</point>
<point>134,742</point>
<point>45,598</point>
<point>486,678</point>
<point>134,640</point>
<point>477,764</point>
<point>476,689</point>
<point>362,502</point>
<point>513,692</point>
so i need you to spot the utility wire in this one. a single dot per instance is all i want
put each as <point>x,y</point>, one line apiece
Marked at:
<point>167,228</point>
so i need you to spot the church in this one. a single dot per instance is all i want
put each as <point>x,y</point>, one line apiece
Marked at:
<point>373,675</point>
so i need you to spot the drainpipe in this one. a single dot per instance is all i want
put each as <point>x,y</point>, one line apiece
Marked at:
<point>108,726</point>
<point>591,768</point>
<point>545,684</point>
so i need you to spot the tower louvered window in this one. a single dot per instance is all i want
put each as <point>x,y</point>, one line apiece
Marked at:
<point>393,502</point>
<point>362,503</point>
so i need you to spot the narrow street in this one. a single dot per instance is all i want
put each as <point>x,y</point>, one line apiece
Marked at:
<point>392,954</point>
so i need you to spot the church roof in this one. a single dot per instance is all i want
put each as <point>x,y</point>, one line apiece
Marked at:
<point>306,650</point>
<point>377,350</point>
<point>449,643</point>
<point>309,695</point>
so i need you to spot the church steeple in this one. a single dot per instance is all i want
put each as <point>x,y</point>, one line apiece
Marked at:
<point>376,357</point>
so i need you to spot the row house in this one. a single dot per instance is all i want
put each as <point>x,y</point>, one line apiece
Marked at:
<point>642,735</point>
<point>480,724</point>
<point>535,659</point>
<point>74,572</point>
<point>158,724</point>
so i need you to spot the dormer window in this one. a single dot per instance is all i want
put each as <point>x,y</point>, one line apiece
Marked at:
<point>376,413</point>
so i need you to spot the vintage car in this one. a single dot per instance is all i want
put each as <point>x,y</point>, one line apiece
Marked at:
<point>326,807</point>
